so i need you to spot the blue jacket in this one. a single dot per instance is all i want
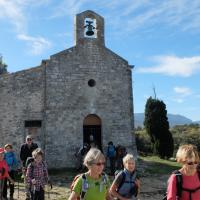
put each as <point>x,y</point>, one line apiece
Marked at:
<point>11,160</point>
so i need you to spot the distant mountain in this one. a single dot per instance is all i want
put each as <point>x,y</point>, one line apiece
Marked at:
<point>173,120</point>
<point>196,122</point>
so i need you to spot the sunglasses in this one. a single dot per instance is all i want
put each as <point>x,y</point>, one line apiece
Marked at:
<point>191,163</point>
<point>99,163</point>
<point>29,139</point>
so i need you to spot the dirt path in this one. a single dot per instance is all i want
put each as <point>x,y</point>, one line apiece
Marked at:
<point>153,188</point>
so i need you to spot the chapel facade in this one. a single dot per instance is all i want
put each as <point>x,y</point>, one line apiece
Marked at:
<point>80,95</point>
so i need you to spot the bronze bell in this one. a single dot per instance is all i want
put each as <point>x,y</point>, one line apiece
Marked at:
<point>90,27</point>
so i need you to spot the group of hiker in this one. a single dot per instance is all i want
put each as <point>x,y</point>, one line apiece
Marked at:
<point>114,155</point>
<point>34,170</point>
<point>94,183</point>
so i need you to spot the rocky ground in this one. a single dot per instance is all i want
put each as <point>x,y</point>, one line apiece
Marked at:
<point>153,188</point>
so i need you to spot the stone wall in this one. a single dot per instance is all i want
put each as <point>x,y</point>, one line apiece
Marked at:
<point>70,99</point>
<point>21,98</point>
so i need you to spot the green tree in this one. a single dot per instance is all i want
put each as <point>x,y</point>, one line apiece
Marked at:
<point>157,127</point>
<point>3,66</point>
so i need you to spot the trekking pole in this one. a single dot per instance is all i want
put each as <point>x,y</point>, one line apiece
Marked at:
<point>49,188</point>
<point>18,177</point>
<point>34,189</point>
<point>18,189</point>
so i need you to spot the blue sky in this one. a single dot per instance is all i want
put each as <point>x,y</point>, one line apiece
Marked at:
<point>161,38</point>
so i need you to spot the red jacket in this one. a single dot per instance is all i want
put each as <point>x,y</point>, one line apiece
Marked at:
<point>3,169</point>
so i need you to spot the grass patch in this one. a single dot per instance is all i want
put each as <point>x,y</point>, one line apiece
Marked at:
<point>160,166</point>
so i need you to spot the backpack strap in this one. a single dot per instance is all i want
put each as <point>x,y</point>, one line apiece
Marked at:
<point>179,182</point>
<point>85,186</point>
<point>32,169</point>
<point>190,191</point>
<point>198,171</point>
<point>123,174</point>
<point>104,181</point>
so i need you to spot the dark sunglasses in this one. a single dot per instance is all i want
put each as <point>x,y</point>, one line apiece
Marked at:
<point>29,139</point>
<point>191,163</point>
<point>99,163</point>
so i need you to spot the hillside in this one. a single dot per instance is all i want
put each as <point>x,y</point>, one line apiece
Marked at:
<point>173,120</point>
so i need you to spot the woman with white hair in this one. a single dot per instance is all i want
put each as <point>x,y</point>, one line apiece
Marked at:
<point>94,184</point>
<point>126,184</point>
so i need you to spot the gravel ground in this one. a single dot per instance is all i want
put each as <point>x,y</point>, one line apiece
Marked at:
<point>152,186</point>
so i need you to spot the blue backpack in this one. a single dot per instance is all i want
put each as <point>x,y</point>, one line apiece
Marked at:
<point>111,152</point>
<point>10,159</point>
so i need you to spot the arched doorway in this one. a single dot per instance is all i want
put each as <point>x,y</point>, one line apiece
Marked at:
<point>92,130</point>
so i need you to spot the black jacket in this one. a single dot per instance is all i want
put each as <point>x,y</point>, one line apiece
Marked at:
<point>26,152</point>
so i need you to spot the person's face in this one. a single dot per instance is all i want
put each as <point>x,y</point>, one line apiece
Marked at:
<point>130,165</point>
<point>8,149</point>
<point>190,163</point>
<point>29,141</point>
<point>98,166</point>
<point>38,159</point>
<point>1,156</point>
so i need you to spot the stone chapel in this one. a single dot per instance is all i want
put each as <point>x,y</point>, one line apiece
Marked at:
<point>82,94</point>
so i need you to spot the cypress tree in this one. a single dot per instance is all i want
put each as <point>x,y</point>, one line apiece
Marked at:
<point>157,126</point>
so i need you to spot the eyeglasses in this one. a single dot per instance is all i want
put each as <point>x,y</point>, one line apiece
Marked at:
<point>29,139</point>
<point>99,163</point>
<point>191,163</point>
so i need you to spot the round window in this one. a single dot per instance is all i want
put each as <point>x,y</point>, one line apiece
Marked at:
<point>91,82</point>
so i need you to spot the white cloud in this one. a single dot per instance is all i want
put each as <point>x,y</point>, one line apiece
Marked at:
<point>14,12</point>
<point>173,66</point>
<point>184,91</point>
<point>172,13</point>
<point>37,44</point>
<point>139,14</point>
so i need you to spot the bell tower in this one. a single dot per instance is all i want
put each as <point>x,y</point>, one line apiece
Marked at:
<point>89,26</point>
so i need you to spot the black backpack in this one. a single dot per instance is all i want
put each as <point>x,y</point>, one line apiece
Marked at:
<point>179,182</point>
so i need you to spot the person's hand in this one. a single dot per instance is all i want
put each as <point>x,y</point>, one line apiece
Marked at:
<point>23,170</point>
<point>33,181</point>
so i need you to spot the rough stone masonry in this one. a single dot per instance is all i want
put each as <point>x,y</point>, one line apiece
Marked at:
<point>82,94</point>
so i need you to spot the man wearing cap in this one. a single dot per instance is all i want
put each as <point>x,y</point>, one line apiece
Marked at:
<point>26,149</point>
<point>26,152</point>
<point>3,173</point>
